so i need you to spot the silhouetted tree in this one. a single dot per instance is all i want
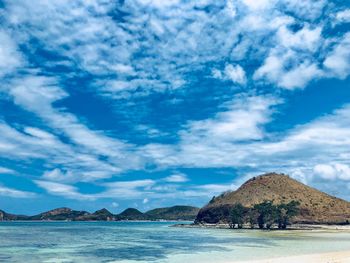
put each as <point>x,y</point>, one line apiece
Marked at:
<point>237,216</point>
<point>267,214</point>
<point>252,217</point>
<point>285,212</point>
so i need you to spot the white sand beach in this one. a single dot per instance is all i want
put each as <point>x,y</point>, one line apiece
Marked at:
<point>334,257</point>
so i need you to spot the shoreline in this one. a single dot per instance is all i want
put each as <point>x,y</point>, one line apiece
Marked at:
<point>290,228</point>
<point>330,257</point>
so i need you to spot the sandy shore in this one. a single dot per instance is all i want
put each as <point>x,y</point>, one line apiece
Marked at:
<point>334,257</point>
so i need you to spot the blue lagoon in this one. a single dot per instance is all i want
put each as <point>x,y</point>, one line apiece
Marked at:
<point>155,242</point>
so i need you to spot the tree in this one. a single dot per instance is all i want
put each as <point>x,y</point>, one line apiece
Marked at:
<point>237,216</point>
<point>285,212</point>
<point>267,214</point>
<point>253,217</point>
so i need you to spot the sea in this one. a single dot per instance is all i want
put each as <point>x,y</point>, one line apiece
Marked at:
<point>90,242</point>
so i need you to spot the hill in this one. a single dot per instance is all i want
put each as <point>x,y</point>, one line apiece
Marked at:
<point>67,214</point>
<point>99,215</point>
<point>10,217</point>
<point>173,213</point>
<point>315,206</point>
<point>62,213</point>
<point>131,214</point>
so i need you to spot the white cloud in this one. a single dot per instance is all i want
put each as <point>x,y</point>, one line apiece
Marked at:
<point>306,38</point>
<point>299,76</point>
<point>325,171</point>
<point>215,189</point>
<point>9,192</point>
<point>130,184</point>
<point>176,178</point>
<point>258,5</point>
<point>229,133</point>
<point>172,37</point>
<point>241,121</point>
<point>57,175</point>
<point>37,94</point>
<point>234,73</point>
<point>137,189</point>
<point>145,201</point>
<point>63,190</point>
<point>4,170</point>
<point>338,61</point>
<point>307,10</point>
<point>293,62</point>
<point>333,171</point>
<point>10,58</point>
<point>342,16</point>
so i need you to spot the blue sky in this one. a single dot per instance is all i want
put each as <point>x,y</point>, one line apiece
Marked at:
<point>149,103</point>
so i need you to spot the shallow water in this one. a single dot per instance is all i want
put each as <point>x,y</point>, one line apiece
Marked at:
<point>154,242</point>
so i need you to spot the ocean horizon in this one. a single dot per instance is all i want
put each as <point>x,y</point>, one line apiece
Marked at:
<point>156,242</point>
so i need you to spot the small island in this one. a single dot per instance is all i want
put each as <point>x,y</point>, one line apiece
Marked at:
<point>274,201</point>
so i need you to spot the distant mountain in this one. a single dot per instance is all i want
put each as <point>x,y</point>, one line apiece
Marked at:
<point>62,213</point>
<point>131,214</point>
<point>173,213</point>
<point>315,206</point>
<point>67,214</point>
<point>10,217</point>
<point>99,215</point>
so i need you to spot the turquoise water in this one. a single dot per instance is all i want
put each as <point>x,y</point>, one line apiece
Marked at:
<point>154,242</point>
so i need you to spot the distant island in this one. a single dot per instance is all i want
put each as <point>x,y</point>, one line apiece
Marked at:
<point>274,201</point>
<point>187,213</point>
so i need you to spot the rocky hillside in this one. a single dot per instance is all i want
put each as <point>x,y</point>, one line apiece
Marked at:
<point>315,206</point>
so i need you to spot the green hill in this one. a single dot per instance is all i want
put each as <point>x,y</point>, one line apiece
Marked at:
<point>173,213</point>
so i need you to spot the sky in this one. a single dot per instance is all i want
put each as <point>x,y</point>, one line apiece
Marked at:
<point>153,103</point>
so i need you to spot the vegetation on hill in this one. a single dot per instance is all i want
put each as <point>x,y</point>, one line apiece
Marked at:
<point>131,214</point>
<point>63,213</point>
<point>314,205</point>
<point>265,215</point>
<point>173,213</point>
<point>67,214</point>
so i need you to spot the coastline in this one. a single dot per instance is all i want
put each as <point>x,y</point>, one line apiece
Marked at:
<point>290,228</point>
<point>331,257</point>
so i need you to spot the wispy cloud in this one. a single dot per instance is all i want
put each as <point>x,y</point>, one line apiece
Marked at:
<point>176,178</point>
<point>4,170</point>
<point>14,193</point>
<point>129,49</point>
<point>63,190</point>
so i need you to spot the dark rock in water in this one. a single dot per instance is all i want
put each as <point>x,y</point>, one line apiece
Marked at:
<point>315,206</point>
